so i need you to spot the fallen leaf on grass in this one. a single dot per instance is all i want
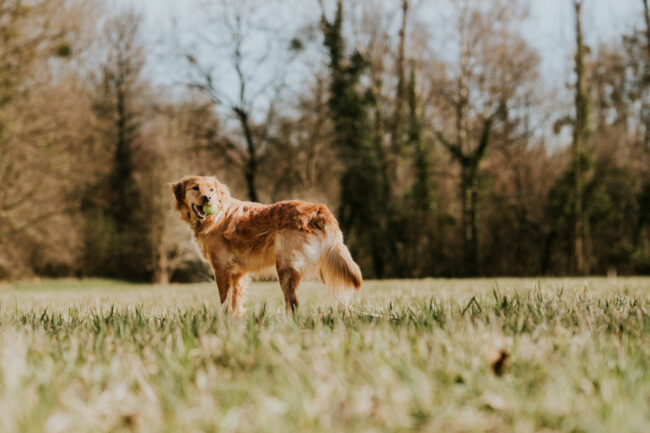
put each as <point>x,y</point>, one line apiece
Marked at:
<point>499,362</point>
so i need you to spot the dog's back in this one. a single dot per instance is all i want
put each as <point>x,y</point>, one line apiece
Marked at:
<point>296,235</point>
<point>305,234</point>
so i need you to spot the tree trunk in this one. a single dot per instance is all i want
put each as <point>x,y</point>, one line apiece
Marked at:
<point>122,163</point>
<point>162,274</point>
<point>646,14</point>
<point>581,131</point>
<point>469,199</point>
<point>122,178</point>
<point>396,126</point>
<point>250,170</point>
<point>473,209</point>
<point>465,200</point>
<point>645,109</point>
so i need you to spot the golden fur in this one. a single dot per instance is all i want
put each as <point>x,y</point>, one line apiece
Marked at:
<point>241,237</point>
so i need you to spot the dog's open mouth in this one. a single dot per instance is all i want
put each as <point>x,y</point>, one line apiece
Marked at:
<point>199,212</point>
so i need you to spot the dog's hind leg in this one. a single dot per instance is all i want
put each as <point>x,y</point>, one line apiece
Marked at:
<point>289,281</point>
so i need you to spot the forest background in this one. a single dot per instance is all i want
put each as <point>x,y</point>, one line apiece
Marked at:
<point>450,138</point>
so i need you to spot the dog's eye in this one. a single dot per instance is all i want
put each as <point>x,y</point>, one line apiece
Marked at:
<point>195,188</point>
<point>211,189</point>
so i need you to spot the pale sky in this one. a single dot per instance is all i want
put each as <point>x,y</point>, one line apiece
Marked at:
<point>550,23</point>
<point>549,29</point>
<point>604,20</point>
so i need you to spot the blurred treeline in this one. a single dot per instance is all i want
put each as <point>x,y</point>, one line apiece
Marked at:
<point>429,130</point>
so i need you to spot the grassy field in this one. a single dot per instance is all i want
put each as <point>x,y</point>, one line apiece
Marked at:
<point>418,355</point>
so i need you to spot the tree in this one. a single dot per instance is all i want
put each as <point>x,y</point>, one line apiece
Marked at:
<point>646,16</point>
<point>255,75</point>
<point>418,217</point>
<point>32,146</point>
<point>400,92</point>
<point>642,253</point>
<point>581,137</point>
<point>173,133</point>
<point>117,228</point>
<point>423,184</point>
<point>493,62</point>
<point>302,160</point>
<point>363,203</point>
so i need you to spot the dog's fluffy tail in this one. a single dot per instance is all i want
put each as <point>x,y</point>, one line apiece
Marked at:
<point>339,271</point>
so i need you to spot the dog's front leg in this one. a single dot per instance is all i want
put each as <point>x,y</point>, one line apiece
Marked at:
<point>223,283</point>
<point>230,280</point>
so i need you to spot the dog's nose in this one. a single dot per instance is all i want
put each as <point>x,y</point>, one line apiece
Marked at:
<point>205,199</point>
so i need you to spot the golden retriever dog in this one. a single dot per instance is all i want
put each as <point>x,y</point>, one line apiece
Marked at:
<point>241,237</point>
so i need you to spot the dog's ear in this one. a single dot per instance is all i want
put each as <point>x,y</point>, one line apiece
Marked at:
<point>216,182</point>
<point>179,190</point>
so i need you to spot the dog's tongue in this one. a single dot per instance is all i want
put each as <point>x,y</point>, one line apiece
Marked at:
<point>198,211</point>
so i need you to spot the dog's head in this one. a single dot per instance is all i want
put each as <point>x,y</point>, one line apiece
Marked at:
<point>194,192</point>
